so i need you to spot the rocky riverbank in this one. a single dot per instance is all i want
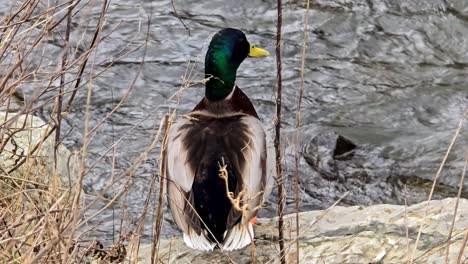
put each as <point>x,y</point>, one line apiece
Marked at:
<point>356,234</point>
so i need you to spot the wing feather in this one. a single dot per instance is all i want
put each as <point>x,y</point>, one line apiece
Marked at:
<point>179,174</point>
<point>255,173</point>
<point>254,178</point>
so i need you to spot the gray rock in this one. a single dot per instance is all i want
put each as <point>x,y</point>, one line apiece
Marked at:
<point>20,135</point>
<point>337,158</point>
<point>13,104</point>
<point>371,177</point>
<point>374,234</point>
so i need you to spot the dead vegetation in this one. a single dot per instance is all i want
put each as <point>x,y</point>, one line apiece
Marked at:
<point>42,213</point>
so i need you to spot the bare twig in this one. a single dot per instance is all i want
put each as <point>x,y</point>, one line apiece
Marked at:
<point>61,89</point>
<point>457,132</point>
<point>277,142</point>
<point>455,209</point>
<point>93,44</point>
<point>162,181</point>
<point>178,17</point>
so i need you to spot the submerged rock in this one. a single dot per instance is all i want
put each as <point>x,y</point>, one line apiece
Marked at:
<point>338,158</point>
<point>374,234</point>
<point>339,165</point>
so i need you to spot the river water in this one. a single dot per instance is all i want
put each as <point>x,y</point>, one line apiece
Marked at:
<point>390,75</point>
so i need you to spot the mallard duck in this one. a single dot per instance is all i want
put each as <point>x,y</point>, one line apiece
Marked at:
<point>216,155</point>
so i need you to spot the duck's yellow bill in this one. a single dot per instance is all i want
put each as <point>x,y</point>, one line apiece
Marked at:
<point>256,52</point>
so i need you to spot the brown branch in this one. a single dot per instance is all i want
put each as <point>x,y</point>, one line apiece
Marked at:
<point>141,220</point>
<point>85,62</point>
<point>27,15</point>
<point>277,142</point>
<point>20,61</point>
<point>61,88</point>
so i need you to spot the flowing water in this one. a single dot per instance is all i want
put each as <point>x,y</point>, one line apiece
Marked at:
<point>390,75</point>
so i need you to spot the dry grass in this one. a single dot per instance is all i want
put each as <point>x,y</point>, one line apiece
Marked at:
<point>42,213</point>
<point>37,213</point>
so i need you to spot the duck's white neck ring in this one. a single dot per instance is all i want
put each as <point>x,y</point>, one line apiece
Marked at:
<point>231,93</point>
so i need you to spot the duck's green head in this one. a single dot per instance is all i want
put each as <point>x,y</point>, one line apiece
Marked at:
<point>228,48</point>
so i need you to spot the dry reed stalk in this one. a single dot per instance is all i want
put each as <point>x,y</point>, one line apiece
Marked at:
<point>438,248</point>
<point>92,46</point>
<point>167,122</point>
<point>297,136</point>
<point>455,136</point>
<point>323,214</point>
<point>406,225</point>
<point>140,223</point>
<point>455,209</point>
<point>463,246</point>
<point>82,168</point>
